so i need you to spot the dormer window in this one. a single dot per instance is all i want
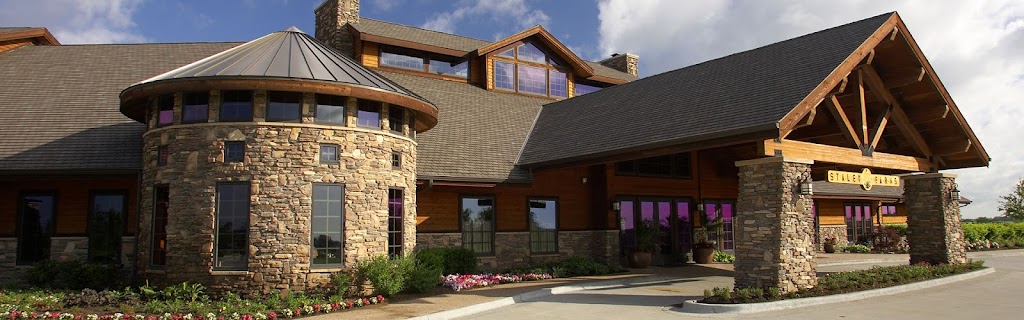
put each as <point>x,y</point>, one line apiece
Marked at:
<point>432,63</point>
<point>528,69</point>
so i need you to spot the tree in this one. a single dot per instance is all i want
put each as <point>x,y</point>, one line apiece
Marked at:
<point>1013,204</point>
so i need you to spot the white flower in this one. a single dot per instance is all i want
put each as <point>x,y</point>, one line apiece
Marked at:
<point>92,317</point>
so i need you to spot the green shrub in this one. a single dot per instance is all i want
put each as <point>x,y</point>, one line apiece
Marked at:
<point>423,278</point>
<point>899,228</point>
<point>342,282</point>
<point>432,257</point>
<point>723,257</point>
<point>1005,234</point>
<point>460,261</point>
<point>388,275</point>
<point>856,248</point>
<point>74,275</point>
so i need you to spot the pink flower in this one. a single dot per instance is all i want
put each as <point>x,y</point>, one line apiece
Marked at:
<point>272,315</point>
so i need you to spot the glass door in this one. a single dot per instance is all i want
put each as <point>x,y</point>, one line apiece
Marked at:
<point>858,223</point>
<point>671,217</point>
<point>725,209</point>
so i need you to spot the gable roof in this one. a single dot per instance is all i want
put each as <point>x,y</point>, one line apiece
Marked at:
<point>746,93</point>
<point>480,134</point>
<point>549,41</point>
<point>417,35</point>
<point>59,105</point>
<point>38,35</point>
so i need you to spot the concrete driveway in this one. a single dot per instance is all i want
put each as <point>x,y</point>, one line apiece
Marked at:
<point>994,296</point>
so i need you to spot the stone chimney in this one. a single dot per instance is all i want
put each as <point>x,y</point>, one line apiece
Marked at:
<point>331,18</point>
<point>625,62</point>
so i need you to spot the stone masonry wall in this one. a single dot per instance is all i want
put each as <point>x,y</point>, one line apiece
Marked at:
<point>281,164</point>
<point>838,232</point>
<point>69,248</point>
<point>933,220</point>
<point>8,260</point>
<point>331,17</point>
<point>512,249</point>
<point>774,226</point>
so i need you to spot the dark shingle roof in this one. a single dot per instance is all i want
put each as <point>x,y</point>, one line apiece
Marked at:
<point>418,35</point>
<point>480,132</point>
<point>59,104</point>
<point>745,92</point>
<point>604,71</point>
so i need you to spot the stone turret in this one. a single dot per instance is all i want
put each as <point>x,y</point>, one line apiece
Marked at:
<point>331,19</point>
<point>625,62</point>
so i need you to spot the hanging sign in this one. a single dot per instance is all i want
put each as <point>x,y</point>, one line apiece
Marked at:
<point>864,178</point>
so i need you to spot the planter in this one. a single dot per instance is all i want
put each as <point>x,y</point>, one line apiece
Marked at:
<point>639,260</point>
<point>830,248</point>
<point>703,255</point>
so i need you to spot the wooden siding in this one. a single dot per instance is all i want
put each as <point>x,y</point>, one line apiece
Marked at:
<point>371,54</point>
<point>832,211</point>
<point>490,74</point>
<point>14,44</point>
<point>570,86</point>
<point>72,194</point>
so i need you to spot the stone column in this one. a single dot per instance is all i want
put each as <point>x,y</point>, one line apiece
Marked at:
<point>774,238</point>
<point>933,220</point>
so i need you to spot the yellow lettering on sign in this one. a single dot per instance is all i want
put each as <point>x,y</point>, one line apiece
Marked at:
<point>864,178</point>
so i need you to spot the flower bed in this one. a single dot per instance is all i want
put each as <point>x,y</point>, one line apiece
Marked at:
<point>469,281</point>
<point>844,282</point>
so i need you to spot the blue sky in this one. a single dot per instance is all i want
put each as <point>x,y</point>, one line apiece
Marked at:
<point>975,46</point>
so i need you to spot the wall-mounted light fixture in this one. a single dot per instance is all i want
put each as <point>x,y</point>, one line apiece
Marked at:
<point>616,206</point>
<point>955,193</point>
<point>807,187</point>
<point>584,180</point>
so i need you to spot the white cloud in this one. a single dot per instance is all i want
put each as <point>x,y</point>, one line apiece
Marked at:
<point>385,5</point>
<point>76,21</point>
<point>974,46</point>
<point>497,10</point>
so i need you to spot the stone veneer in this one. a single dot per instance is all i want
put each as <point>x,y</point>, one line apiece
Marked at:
<point>933,220</point>
<point>512,249</point>
<point>8,260</point>
<point>331,17</point>
<point>281,164</point>
<point>832,231</point>
<point>774,227</point>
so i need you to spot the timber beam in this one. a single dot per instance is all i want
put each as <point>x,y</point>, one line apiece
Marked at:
<point>899,117</point>
<point>840,155</point>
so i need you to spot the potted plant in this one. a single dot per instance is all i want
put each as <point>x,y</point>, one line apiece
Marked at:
<point>830,245</point>
<point>703,249</point>
<point>646,233</point>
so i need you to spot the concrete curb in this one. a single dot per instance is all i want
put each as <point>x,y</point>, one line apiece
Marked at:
<point>692,307</point>
<point>543,293</point>
<point>970,255</point>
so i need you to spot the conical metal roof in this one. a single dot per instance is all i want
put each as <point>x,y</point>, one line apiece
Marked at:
<point>284,54</point>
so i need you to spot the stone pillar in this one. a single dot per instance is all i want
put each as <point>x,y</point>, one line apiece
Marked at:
<point>933,220</point>
<point>331,18</point>
<point>625,62</point>
<point>774,227</point>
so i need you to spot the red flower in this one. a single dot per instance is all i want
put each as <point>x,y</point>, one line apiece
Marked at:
<point>380,298</point>
<point>335,306</point>
<point>272,315</point>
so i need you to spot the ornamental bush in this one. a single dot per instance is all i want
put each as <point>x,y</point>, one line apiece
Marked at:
<point>1002,234</point>
<point>388,274</point>
<point>451,260</point>
<point>74,275</point>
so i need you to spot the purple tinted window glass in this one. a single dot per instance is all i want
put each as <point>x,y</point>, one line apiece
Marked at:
<point>626,214</point>
<point>532,80</point>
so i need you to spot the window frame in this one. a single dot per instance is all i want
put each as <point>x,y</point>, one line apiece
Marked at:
<point>550,63</point>
<point>494,222</point>
<point>184,103</point>
<point>20,229</point>
<point>152,236</point>
<point>216,227</point>
<point>92,211</point>
<point>227,145</point>
<point>426,59</point>
<point>159,109</point>
<point>557,223</point>
<point>391,117</point>
<point>316,109</point>
<point>337,155</point>
<point>163,155</point>
<point>395,155</point>
<point>312,246</point>
<point>380,118</point>
<point>287,94</point>
<point>252,106</point>
<point>401,221</point>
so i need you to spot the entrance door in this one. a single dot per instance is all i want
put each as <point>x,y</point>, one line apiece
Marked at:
<point>725,208</point>
<point>670,216</point>
<point>858,222</point>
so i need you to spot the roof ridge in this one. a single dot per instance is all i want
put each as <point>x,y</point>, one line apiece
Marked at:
<point>425,29</point>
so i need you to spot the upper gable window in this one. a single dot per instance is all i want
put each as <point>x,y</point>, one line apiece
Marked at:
<point>529,69</point>
<point>438,64</point>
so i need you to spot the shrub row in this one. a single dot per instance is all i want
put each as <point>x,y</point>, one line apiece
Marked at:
<point>1006,234</point>
<point>75,275</point>
<point>573,267</point>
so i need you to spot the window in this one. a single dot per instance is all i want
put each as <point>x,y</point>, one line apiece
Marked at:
<point>533,71</point>
<point>888,209</point>
<point>396,119</point>
<point>395,221</point>
<point>231,250</point>
<point>557,84</point>
<point>195,107</point>
<point>330,109</point>
<point>369,114</point>
<point>236,105</point>
<point>449,67</point>
<point>858,222</point>
<point>724,209</point>
<point>327,225</point>
<point>36,227</point>
<point>396,160</point>
<point>543,225</point>
<point>165,110</point>
<point>504,75</point>
<point>582,88</point>
<point>401,58</point>
<point>161,156</point>
<point>670,166</point>
<point>424,62</point>
<point>477,219</point>
<point>328,153</point>
<point>234,151</point>
<point>284,106</point>
<point>106,226</point>
<point>161,202</point>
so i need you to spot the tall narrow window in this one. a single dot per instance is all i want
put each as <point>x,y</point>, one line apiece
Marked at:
<point>396,160</point>
<point>330,109</point>
<point>543,225</point>
<point>234,151</point>
<point>477,216</point>
<point>232,234</point>
<point>106,226</point>
<point>195,107</point>
<point>36,227</point>
<point>161,156</point>
<point>369,114</point>
<point>395,222</point>
<point>396,119</point>
<point>161,202</point>
<point>328,225</point>
<point>165,110</point>
<point>284,106</point>
<point>504,75</point>
<point>236,105</point>
<point>557,84</point>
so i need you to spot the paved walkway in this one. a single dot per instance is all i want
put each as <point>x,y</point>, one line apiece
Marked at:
<point>646,300</point>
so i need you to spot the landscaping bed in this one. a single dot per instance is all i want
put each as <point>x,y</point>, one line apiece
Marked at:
<point>843,282</point>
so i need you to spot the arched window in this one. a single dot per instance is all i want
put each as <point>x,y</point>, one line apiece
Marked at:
<point>528,69</point>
